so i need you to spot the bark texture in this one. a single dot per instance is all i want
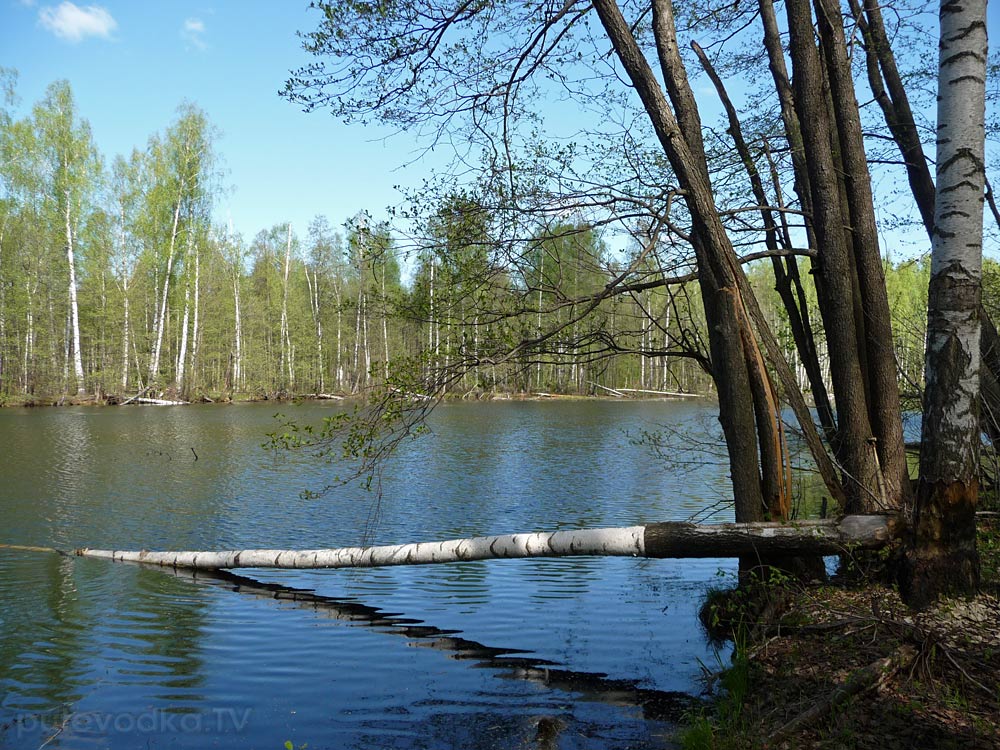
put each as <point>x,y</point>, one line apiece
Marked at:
<point>658,540</point>
<point>943,556</point>
<point>882,387</point>
<point>836,268</point>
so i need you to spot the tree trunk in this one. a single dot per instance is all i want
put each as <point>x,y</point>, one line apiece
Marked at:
<point>237,334</point>
<point>182,347</point>
<point>835,266</point>
<point>793,132</point>
<point>658,540</point>
<point>340,333</point>
<point>127,327</point>
<point>385,323</point>
<point>73,308</point>
<point>943,556</point>
<point>312,282</point>
<point>356,385</point>
<point>3,320</point>
<point>883,389</point>
<point>286,348</point>
<point>195,323</point>
<point>161,314</point>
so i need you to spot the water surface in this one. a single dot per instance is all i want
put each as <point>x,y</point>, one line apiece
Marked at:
<point>576,652</point>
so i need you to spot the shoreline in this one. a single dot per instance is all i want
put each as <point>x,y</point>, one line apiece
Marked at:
<point>166,398</point>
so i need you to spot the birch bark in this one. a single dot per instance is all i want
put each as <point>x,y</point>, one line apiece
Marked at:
<point>943,557</point>
<point>73,307</point>
<point>658,540</point>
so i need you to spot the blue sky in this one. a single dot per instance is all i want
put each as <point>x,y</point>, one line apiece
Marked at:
<point>130,64</point>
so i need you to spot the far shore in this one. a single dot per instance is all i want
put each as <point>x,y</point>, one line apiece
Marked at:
<point>169,399</point>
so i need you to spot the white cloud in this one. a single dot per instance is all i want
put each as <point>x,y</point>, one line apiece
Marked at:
<point>73,23</point>
<point>193,32</point>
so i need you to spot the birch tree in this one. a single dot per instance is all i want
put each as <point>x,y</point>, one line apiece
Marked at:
<point>943,557</point>
<point>126,197</point>
<point>71,166</point>
<point>182,164</point>
<point>287,368</point>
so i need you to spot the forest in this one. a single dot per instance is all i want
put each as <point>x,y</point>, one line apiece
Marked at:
<point>116,277</point>
<point>714,198</point>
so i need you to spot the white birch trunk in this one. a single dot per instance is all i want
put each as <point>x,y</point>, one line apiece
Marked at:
<point>956,253</point>
<point>122,282</point>
<point>286,356</point>
<point>73,309</point>
<point>3,317</point>
<point>313,283</point>
<point>196,320</point>
<point>942,558</point>
<point>357,332</point>
<point>182,349</point>
<point>430,322</point>
<point>161,312</point>
<point>127,325</point>
<point>238,336</point>
<point>340,334</point>
<point>385,323</point>
<point>29,340</point>
<point>368,351</point>
<point>660,540</point>
<point>67,346</point>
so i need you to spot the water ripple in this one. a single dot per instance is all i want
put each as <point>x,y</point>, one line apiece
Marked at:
<point>468,655</point>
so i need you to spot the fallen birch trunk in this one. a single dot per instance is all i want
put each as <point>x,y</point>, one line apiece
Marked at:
<point>674,394</point>
<point>658,540</point>
<point>130,400</point>
<point>160,402</point>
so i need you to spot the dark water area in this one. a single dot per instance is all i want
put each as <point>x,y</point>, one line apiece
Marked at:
<point>571,653</point>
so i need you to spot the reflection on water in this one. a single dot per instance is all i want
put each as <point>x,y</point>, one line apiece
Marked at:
<point>100,655</point>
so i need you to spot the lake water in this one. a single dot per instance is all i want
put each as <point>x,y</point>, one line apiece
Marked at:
<point>571,653</point>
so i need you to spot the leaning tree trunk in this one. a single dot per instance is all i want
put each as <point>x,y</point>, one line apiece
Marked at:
<point>798,314</point>
<point>691,166</point>
<point>943,556</point>
<point>680,137</point>
<point>881,371</point>
<point>835,267</point>
<point>656,540</point>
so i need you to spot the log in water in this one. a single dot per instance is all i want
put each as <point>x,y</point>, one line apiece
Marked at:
<point>658,540</point>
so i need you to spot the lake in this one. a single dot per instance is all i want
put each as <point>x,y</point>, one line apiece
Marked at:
<point>571,653</point>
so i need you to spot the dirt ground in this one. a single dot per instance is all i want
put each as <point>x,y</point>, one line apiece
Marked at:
<point>849,666</point>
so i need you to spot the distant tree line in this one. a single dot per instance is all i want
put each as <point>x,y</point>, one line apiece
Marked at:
<point>113,279</point>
